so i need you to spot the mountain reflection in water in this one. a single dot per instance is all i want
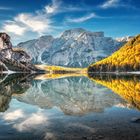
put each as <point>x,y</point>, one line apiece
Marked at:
<point>74,96</point>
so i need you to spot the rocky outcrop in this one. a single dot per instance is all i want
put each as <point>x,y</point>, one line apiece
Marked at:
<point>12,58</point>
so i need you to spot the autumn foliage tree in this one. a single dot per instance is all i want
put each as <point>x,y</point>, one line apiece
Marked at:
<point>127,58</point>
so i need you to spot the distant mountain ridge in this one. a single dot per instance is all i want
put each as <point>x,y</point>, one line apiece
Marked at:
<point>124,39</point>
<point>75,48</point>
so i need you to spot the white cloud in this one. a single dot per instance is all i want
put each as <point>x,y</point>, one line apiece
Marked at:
<point>37,23</point>
<point>50,136</point>
<point>58,7</point>
<point>50,9</point>
<point>110,3</point>
<point>31,122</point>
<point>53,7</point>
<point>41,21</point>
<point>82,19</point>
<point>14,28</point>
<point>11,116</point>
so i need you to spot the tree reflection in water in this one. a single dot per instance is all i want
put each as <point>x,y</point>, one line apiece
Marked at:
<point>126,86</point>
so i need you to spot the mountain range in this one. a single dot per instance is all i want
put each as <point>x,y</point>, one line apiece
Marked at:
<point>74,48</point>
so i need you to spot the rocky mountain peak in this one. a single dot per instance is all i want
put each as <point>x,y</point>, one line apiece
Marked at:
<point>72,33</point>
<point>46,37</point>
<point>80,32</point>
<point>75,48</point>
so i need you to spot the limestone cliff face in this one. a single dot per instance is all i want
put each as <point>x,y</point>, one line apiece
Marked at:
<point>12,58</point>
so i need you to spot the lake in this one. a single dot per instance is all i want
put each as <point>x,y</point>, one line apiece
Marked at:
<point>72,107</point>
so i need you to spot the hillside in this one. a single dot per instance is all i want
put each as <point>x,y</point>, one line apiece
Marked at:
<point>127,58</point>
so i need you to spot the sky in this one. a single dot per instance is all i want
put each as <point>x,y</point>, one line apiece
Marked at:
<point>28,19</point>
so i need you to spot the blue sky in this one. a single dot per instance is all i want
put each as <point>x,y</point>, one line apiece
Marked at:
<point>28,19</point>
